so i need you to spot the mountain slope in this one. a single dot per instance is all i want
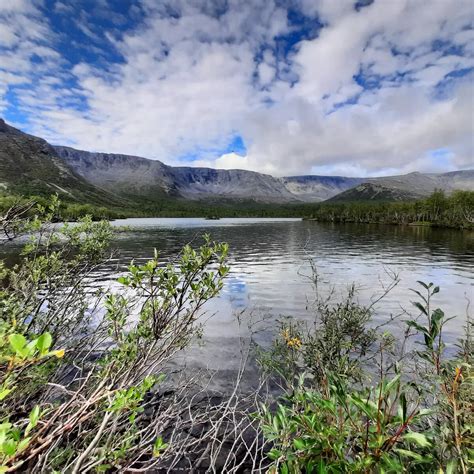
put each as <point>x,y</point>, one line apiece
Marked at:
<point>374,192</point>
<point>142,177</point>
<point>410,186</point>
<point>135,176</point>
<point>129,175</point>
<point>318,188</point>
<point>407,187</point>
<point>30,166</point>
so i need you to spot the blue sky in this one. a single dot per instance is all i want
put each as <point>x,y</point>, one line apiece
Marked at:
<point>278,86</point>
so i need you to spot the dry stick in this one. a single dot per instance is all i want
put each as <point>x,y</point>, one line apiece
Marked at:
<point>77,417</point>
<point>92,444</point>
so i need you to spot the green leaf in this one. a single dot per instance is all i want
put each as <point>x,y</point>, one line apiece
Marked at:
<point>436,321</point>
<point>321,467</point>
<point>366,406</point>
<point>451,466</point>
<point>18,343</point>
<point>159,446</point>
<point>424,285</point>
<point>409,454</point>
<point>299,444</point>
<point>418,305</point>
<point>417,326</point>
<point>4,393</point>
<point>402,409</point>
<point>420,295</point>
<point>123,280</point>
<point>22,444</point>
<point>417,438</point>
<point>9,447</point>
<point>43,343</point>
<point>103,467</point>
<point>391,384</point>
<point>34,417</point>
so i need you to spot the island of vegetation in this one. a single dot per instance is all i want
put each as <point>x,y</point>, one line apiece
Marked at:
<point>85,386</point>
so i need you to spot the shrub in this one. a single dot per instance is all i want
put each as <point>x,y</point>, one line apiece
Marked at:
<point>351,406</point>
<point>74,381</point>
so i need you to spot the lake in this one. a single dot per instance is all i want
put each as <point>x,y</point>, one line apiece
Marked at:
<point>269,264</point>
<point>270,260</point>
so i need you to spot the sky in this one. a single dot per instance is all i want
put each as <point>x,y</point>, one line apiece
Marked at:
<point>285,87</point>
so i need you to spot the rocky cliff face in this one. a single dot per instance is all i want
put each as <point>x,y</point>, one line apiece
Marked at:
<point>139,175</point>
<point>119,173</point>
<point>198,183</point>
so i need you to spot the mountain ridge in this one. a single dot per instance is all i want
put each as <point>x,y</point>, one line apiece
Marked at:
<point>178,181</point>
<point>30,163</point>
<point>206,183</point>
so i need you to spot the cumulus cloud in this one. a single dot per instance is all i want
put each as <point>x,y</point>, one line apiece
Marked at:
<point>370,90</point>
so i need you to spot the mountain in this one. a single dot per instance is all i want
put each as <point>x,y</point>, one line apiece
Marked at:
<point>409,186</point>
<point>423,184</point>
<point>29,165</point>
<point>374,192</point>
<point>318,188</point>
<point>137,176</point>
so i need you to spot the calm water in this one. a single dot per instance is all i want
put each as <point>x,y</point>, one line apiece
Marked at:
<point>269,259</point>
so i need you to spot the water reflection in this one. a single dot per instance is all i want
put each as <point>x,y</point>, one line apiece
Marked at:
<point>269,259</point>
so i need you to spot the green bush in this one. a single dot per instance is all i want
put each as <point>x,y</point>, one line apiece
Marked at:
<point>80,365</point>
<point>74,381</point>
<point>355,403</point>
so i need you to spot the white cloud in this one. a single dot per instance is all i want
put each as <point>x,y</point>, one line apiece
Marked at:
<point>192,80</point>
<point>227,161</point>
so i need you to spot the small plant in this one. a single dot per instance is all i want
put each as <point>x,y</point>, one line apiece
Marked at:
<point>338,343</point>
<point>18,356</point>
<point>341,430</point>
<point>453,381</point>
<point>419,421</point>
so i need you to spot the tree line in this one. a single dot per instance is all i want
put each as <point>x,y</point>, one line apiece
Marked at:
<point>439,209</point>
<point>455,210</point>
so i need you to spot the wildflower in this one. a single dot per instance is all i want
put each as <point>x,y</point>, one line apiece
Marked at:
<point>457,375</point>
<point>291,342</point>
<point>294,343</point>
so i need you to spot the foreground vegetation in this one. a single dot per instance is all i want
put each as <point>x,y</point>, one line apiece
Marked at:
<point>357,399</point>
<point>83,372</point>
